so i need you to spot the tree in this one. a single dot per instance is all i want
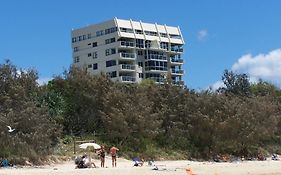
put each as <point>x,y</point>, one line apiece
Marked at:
<point>128,118</point>
<point>237,84</point>
<point>263,88</point>
<point>35,132</point>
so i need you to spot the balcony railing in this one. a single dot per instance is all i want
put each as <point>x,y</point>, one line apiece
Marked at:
<point>179,82</point>
<point>176,60</point>
<point>157,79</point>
<point>176,49</point>
<point>177,71</point>
<point>127,79</point>
<point>127,67</point>
<point>127,43</point>
<point>128,55</point>
<point>154,68</point>
<point>156,57</point>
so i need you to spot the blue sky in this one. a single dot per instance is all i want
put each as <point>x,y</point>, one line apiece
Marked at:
<point>243,36</point>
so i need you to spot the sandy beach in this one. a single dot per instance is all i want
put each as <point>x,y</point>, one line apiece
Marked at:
<point>125,167</point>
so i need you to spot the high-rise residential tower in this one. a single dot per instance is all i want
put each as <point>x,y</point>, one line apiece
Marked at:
<point>129,51</point>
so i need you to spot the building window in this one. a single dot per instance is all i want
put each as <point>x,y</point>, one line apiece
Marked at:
<point>111,40</point>
<point>89,54</point>
<point>80,38</point>
<point>113,51</point>
<point>100,33</point>
<point>110,30</point>
<point>76,59</point>
<point>110,51</point>
<point>89,36</point>
<point>90,65</point>
<point>150,33</point>
<point>147,44</point>
<point>138,31</point>
<point>175,36</point>
<point>164,35</point>
<point>73,39</point>
<point>107,41</point>
<point>127,30</point>
<point>164,45</point>
<point>113,29</point>
<point>140,52</point>
<point>112,74</point>
<point>75,49</point>
<point>107,52</point>
<point>139,43</point>
<point>110,63</point>
<point>95,55</point>
<point>107,31</point>
<point>84,37</point>
<point>95,44</point>
<point>156,65</point>
<point>140,64</point>
<point>140,75</point>
<point>95,66</point>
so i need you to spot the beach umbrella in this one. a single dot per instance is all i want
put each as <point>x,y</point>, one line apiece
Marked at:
<point>89,145</point>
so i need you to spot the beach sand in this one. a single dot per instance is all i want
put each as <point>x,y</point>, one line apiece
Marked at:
<point>125,167</point>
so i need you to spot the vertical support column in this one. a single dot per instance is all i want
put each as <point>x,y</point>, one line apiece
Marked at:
<point>181,35</point>
<point>158,35</point>
<point>169,49</point>
<point>116,24</point>
<point>135,50</point>
<point>180,67</point>
<point>143,66</point>
<point>119,34</point>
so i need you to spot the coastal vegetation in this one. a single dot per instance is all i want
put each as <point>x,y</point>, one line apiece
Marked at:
<point>146,119</point>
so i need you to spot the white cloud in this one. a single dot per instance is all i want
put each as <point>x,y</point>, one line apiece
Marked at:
<point>216,85</point>
<point>262,66</point>
<point>42,81</point>
<point>202,35</point>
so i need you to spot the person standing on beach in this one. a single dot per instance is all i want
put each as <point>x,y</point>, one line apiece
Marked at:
<point>113,152</point>
<point>102,156</point>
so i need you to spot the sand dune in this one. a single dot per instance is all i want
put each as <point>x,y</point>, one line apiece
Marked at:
<point>125,167</point>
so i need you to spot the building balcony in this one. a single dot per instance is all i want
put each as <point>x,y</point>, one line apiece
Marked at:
<point>128,56</point>
<point>176,61</point>
<point>155,57</point>
<point>127,44</point>
<point>176,49</point>
<point>157,79</point>
<point>181,72</point>
<point>127,79</point>
<point>179,82</point>
<point>156,69</point>
<point>127,67</point>
<point>156,49</point>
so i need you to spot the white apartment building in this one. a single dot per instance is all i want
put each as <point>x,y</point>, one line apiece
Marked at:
<point>129,51</point>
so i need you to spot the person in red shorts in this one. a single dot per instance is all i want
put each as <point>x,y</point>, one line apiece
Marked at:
<point>113,152</point>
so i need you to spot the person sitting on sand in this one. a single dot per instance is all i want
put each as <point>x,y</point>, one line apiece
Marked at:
<point>79,162</point>
<point>88,162</point>
<point>113,152</point>
<point>138,161</point>
<point>84,162</point>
